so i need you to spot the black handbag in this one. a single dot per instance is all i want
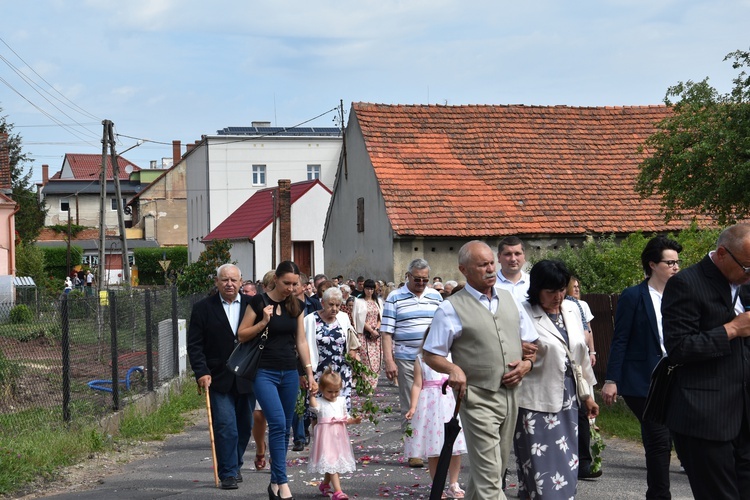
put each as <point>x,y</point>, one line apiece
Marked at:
<point>657,399</point>
<point>245,358</point>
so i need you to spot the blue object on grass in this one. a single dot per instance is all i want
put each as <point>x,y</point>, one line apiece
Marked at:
<point>102,385</point>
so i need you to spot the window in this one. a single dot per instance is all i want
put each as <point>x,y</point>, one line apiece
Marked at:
<point>259,175</point>
<point>114,203</point>
<point>65,205</point>
<point>313,172</point>
<point>360,215</point>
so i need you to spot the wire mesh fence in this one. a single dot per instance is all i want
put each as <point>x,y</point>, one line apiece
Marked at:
<point>61,364</point>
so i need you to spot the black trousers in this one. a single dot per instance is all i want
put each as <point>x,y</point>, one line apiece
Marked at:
<point>584,441</point>
<point>717,469</point>
<point>657,443</point>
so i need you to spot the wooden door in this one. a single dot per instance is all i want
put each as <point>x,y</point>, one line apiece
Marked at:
<point>302,256</point>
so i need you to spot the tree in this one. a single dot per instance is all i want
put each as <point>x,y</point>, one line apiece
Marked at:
<point>699,158</point>
<point>198,277</point>
<point>30,217</point>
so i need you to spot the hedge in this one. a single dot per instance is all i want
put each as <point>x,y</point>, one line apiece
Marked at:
<point>56,260</point>
<point>149,270</point>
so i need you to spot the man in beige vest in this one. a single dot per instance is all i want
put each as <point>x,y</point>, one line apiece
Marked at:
<point>481,328</point>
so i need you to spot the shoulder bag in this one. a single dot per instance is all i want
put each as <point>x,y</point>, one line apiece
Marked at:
<point>245,358</point>
<point>657,399</point>
<point>583,391</point>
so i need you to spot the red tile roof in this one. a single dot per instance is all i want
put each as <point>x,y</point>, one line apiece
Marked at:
<point>256,213</point>
<point>471,171</point>
<point>89,166</point>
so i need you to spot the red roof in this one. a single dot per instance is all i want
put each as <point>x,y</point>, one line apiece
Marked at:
<point>470,171</point>
<point>256,213</point>
<point>89,166</point>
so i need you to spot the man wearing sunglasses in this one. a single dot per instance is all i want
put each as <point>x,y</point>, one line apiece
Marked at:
<point>706,326</point>
<point>407,313</point>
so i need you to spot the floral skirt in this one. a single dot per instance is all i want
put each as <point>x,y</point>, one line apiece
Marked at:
<point>546,448</point>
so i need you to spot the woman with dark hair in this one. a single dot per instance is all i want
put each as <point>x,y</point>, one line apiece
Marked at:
<point>276,383</point>
<point>546,444</point>
<point>367,315</point>
<point>637,345</point>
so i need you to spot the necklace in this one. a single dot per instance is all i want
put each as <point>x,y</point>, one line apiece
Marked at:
<point>557,319</point>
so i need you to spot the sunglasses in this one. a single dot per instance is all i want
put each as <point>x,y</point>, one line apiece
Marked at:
<point>422,281</point>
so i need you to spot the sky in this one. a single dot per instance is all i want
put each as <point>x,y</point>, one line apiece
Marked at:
<point>165,70</point>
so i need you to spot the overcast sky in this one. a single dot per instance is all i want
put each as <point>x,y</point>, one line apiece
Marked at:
<point>176,69</point>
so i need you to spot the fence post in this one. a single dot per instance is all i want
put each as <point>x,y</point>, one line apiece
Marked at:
<point>175,334</point>
<point>115,356</point>
<point>65,347</point>
<point>149,344</point>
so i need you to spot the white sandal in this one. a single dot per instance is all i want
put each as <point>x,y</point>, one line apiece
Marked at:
<point>455,491</point>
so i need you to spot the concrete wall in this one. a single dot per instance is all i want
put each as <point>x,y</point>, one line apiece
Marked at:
<point>164,205</point>
<point>198,217</point>
<point>347,251</point>
<point>86,213</point>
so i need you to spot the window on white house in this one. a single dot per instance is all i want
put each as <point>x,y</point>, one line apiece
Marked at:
<point>259,175</point>
<point>64,205</point>
<point>313,172</point>
<point>114,203</point>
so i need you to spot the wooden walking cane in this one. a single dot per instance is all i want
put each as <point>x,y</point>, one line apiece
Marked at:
<point>211,433</point>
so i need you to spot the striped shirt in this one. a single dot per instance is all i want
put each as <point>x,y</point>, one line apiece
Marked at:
<point>406,317</point>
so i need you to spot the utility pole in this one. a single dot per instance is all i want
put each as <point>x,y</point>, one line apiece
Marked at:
<point>120,208</point>
<point>102,207</point>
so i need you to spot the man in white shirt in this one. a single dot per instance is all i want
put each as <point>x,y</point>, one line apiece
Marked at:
<point>512,257</point>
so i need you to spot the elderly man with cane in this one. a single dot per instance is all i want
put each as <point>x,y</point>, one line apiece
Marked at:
<point>212,337</point>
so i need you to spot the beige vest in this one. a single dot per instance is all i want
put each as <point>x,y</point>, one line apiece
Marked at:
<point>488,342</point>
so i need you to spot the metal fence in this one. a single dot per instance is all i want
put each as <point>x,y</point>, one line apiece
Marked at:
<point>62,363</point>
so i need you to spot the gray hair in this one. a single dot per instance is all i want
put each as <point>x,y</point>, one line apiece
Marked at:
<point>464,254</point>
<point>452,283</point>
<point>223,267</point>
<point>345,288</point>
<point>332,293</point>
<point>418,264</point>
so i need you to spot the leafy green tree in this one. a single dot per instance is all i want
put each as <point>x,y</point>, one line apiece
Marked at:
<point>198,277</point>
<point>30,262</point>
<point>699,158</point>
<point>30,217</point>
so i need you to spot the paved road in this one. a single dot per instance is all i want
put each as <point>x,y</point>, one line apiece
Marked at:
<point>182,470</point>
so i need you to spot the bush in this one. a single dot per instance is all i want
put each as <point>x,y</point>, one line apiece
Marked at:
<point>197,278</point>
<point>56,260</point>
<point>21,314</point>
<point>10,371</point>
<point>149,269</point>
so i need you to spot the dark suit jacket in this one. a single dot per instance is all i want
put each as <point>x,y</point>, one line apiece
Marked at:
<point>710,392</point>
<point>211,341</point>
<point>635,346</point>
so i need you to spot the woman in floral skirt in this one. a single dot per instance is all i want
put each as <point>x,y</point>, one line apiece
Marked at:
<point>367,315</point>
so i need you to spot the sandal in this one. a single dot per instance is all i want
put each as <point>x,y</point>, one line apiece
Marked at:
<point>339,495</point>
<point>455,491</point>
<point>325,489</point>
<point>260,462</point>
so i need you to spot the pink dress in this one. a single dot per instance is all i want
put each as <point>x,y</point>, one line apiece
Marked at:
<point>428,423</point>
<point>331,451</point>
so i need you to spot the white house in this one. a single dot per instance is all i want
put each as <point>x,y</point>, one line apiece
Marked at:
<point>226,169</point>
<point>251,227</point>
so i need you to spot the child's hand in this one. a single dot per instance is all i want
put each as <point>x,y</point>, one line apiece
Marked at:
<point>354,420</point>
<point>409,414</point>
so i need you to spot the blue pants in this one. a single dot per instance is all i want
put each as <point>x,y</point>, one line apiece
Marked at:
<point>276,391</point>
<point>232,416</point>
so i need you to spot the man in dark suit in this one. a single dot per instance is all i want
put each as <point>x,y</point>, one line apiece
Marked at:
<point>705,333</point>
<point>212,337</point>
<point>637,346</point>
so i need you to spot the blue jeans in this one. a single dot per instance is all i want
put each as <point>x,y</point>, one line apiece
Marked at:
<point>276,391</point>
<point>232,416</point>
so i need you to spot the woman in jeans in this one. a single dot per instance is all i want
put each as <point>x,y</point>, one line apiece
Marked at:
<point>276,382</point>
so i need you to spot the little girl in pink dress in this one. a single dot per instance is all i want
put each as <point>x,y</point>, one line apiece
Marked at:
<point>331,451</point>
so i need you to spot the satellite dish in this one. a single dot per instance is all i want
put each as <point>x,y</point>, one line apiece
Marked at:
<point>129,169</point>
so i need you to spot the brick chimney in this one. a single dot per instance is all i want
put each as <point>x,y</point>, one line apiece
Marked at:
<point>285,218</point>
<point>5,182</point>
<point>176,152</point>
<point>189,147</point>
<point>45,174</point>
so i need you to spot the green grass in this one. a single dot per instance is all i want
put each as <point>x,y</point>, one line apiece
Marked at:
<point>35,444</point>
<point>617,420</point>
<point>167,419</point>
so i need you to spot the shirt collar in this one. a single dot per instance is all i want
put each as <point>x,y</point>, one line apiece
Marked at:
<point>477,294</point>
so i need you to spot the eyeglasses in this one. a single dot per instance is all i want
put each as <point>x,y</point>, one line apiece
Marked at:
<point>422,281</point>
<point>674,263</point>
<point>745,269</point>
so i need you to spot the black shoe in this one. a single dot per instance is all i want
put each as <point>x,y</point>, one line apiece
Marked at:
<point>238,477</point>
<point>298,446</point>
<point>307,436</point>
<point>229,483</point>
<point>271,494</point>
<point>587,474</point>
